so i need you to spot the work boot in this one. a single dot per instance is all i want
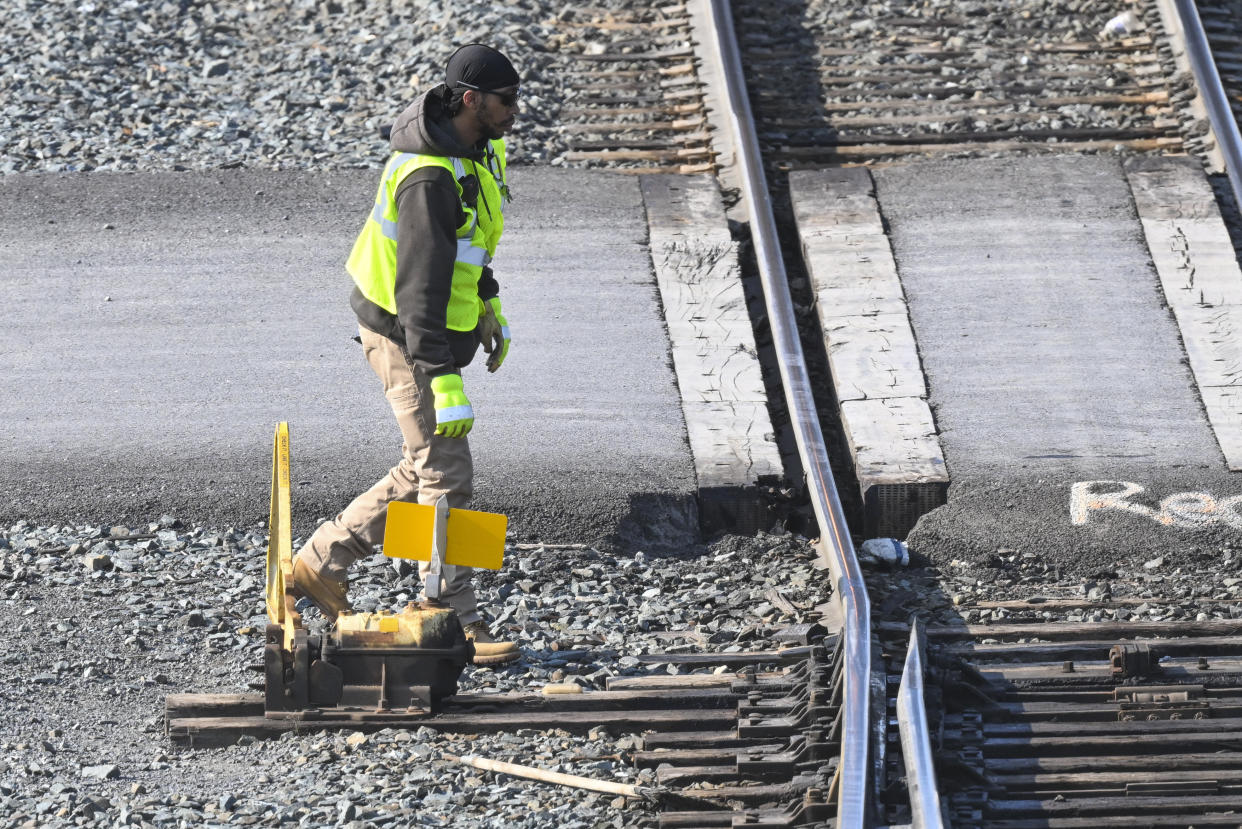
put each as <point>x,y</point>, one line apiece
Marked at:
<point>487,651</point>
<point>328,595</point>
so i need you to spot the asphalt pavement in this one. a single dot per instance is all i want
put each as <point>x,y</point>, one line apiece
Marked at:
<point>160,324</point>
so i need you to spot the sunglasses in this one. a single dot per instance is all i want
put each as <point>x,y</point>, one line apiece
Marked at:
<point>509,99</point>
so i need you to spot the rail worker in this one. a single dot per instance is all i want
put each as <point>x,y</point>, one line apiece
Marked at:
<point>425,300</point>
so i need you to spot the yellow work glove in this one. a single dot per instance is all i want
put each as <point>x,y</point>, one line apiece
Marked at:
<point>454,415</point>
<point>494,331</point>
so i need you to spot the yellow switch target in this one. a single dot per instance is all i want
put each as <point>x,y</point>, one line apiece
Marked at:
<point>475,539</point>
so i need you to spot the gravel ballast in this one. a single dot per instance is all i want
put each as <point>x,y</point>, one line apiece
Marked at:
<point>1189,583</point>
<point>140,85</point>
<point>103,626</point>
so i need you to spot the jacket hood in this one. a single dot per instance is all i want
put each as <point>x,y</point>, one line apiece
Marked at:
<point>424,127</point>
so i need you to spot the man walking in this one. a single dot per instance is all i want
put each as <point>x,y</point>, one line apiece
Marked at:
<point>425,299</point>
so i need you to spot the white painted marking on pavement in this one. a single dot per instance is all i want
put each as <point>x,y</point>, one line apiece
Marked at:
<point>1184,510</point>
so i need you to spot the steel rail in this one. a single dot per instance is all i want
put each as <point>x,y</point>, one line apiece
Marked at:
<point>916,740</point>
<point>1229,141</point>
<point>853,806</point>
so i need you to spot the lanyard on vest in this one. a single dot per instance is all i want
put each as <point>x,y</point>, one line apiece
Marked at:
<point>490,157</point>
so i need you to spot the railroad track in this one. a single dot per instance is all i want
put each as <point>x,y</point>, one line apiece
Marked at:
<point>689,704</point>
<point>899,80</point>
<point>1007,97</point>
<point>758,744</point>
<point>636,101</point>
<point>1069,725</point>
<point>868,82</point>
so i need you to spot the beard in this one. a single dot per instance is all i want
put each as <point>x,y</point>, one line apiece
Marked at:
<point>490,127</point>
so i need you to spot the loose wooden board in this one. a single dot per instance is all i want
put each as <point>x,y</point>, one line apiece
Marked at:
<point>893,440</point>
<point>873,356</point>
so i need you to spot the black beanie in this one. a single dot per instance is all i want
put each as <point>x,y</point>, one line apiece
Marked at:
<point>479,67</point>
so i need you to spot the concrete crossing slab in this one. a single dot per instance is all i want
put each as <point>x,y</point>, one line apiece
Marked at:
<point>714,352</point>
<point>1202,283</point>
<point>1071,424</point>
<point>877,378</point>
<point>1039,318</point>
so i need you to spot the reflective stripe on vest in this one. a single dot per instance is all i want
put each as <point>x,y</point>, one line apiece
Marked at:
<point>372,263</point>
<point>466,251</point>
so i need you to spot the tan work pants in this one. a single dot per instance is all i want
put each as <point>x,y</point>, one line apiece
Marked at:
<point>430,466</point>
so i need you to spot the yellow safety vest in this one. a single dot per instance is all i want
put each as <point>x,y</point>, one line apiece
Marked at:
<point>373,260</point>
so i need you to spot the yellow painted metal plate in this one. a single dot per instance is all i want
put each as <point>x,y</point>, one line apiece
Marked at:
<point>408,530</point>
<point>475,539</point>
